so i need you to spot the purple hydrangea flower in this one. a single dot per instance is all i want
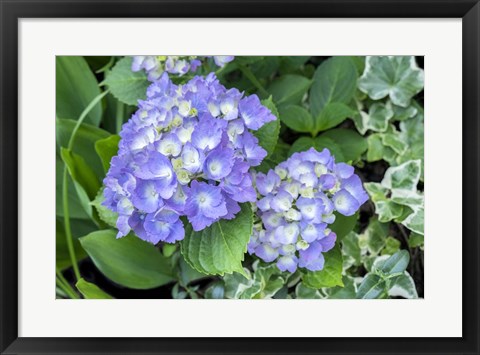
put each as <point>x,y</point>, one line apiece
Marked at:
<point>155,66</point>
<point>187,151</point>
<point>296,203</point>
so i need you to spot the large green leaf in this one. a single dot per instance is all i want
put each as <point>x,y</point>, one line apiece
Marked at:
<point>332,115</point>
<point>126,85</point>
<point>297,118</point>
<point>334,81</point>
<point>107,148</point>
<point>330,275</point>
<point>343,225</point>
<point>289,89</point>
<point>91,291</point>
<point>395,76</point>
<point>76,87</point>
<point>128,261</point>
<point>350,142</point>
<point>220,248</point>
<point>268,134</point>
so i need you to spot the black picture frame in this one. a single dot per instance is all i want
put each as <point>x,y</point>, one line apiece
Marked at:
<point>12,11</point>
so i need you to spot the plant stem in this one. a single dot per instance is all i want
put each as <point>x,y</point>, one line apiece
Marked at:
<point>250,76</point>
<point>66,213</point>
<point>65,286</point>
<point>120,115</point>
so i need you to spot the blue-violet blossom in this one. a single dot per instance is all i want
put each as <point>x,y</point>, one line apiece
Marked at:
<point>296,204</point>
<point>154,66</point>
<point>187,151</point>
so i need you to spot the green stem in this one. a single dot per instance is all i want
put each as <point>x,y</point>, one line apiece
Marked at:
<point>65,286</point>
<point>66,213</point>
<point>120,115</point>
<point>250,76</point>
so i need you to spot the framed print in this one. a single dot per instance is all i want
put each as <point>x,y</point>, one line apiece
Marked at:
<point>226,177</point>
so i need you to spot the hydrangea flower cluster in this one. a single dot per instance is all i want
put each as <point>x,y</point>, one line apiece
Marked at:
<point>154,66</point>
<point>187,151</point>
<point>296,203</point>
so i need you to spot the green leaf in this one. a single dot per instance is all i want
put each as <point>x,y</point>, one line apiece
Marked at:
<point>351,249</point>
<point>404,176</point>
<point>84,144</point>
<point>343,225</point>
<point>330,275</point>
<point>74,206</point>
<point>268,134</point>
<point>76,87</point>
<point>264,282</point>
<point>348,291</point>
<point>220,248</point>
<point>126,85</point>
<point>392,245</point>
<point>332,115</point>
<point>375,149</point>
<point>335,80</point>
<point>375,236</point>
<point>371,287</point>
<point>395,264</point>
<point>297,118</point>
<point>395,141</point>
<point>403,286</point>
<point>289,89</point>
<point>104,213</point>
<point>402,113</point>
<point>415,240</point>
<point>395,76</point>
<point>91,291</point>
<point>304,292</point>
<point>81,173</point>
<point>319,143</point>
<point>351,143</point>
<point>215,291</point>
<point>106,149</point>
<point>128,261</point>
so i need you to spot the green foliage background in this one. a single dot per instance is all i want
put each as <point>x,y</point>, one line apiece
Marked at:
<point>367,111</point>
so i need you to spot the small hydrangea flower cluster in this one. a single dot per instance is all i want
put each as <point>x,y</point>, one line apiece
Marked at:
<point>296,205</point>
<point>187,151</point>
<point>154,66</point>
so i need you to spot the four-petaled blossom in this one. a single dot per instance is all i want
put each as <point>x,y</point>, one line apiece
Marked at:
<point>155,66</point>
<point>296,203</point>
<point>187,151</point>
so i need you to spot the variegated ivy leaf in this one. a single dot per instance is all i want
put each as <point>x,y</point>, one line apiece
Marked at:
<point>395,141</point>
<point>404,176</point>
<point>375,236</point>
<point>264,283</point>
<point>403,286</point>
<point>377,118</point>
<point>403,113</point>
<point>415,221</point>
<point>386,209</point>
<point>397,77</point>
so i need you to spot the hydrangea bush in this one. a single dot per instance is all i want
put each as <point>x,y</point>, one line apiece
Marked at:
<point>240,177</point>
